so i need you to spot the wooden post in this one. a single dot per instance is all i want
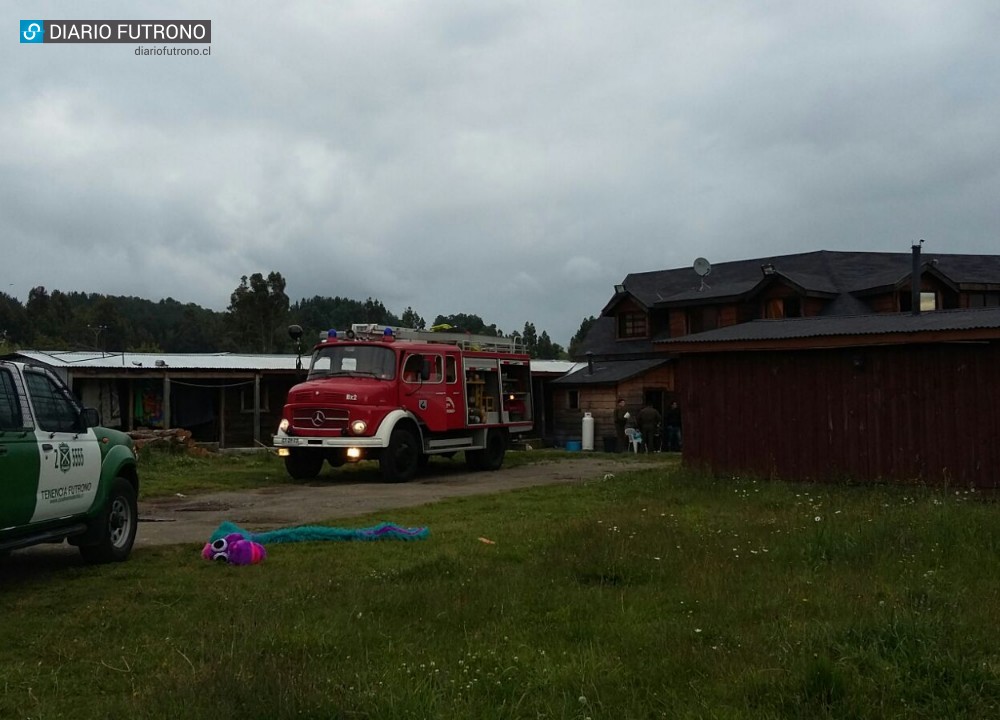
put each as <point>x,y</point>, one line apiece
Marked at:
<point>222,416</point>
<point>256,409</point>
<point>166,402</point>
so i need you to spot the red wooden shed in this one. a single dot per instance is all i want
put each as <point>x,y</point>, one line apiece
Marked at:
<point>887,397</point>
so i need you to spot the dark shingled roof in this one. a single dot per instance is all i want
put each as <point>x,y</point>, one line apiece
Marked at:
<point>841,277</point>
<point>613,371</point>
<point>827,326</point>
<point>600,341</point>
<point>822,271</point>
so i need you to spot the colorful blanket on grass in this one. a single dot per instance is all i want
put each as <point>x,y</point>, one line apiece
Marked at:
<point>314,533</point>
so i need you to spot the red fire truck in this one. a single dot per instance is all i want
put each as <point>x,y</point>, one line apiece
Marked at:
<point>398,396</point>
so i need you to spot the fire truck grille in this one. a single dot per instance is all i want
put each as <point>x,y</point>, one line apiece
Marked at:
<point>319,419</point>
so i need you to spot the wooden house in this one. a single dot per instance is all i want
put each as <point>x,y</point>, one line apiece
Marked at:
<point>650,309</point>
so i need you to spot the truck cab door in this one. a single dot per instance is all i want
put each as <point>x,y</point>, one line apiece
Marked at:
<point>18,455</point>
<point>456,415</point>
<point>423,389</point>
<point>69,457</point>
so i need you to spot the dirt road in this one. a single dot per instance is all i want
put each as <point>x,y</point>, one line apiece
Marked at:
<point>192,519</point>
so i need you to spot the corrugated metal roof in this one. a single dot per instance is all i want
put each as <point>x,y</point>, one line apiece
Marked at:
<point>826,326</point>
<point>554,367</point>
<point>208,361</point>
<point>71,360</point>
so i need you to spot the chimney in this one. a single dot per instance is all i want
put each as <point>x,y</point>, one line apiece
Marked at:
<point>915,280</point>
<point>590,362</point>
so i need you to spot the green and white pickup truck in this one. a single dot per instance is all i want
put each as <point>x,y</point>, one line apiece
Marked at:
<point>62,476</point>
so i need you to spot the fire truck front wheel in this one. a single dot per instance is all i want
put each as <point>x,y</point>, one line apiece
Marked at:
<point>304,464</point>
<point>399,461</point>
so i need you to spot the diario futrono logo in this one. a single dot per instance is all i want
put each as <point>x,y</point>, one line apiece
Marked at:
<point>32,31</point>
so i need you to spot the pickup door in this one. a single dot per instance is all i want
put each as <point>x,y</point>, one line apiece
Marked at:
<point>69,457</point>
<point>18,456</point>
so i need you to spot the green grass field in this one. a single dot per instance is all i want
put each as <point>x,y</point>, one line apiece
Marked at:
<point>648,595</point>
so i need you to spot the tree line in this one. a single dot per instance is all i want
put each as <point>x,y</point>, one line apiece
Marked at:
<point>255,321</point>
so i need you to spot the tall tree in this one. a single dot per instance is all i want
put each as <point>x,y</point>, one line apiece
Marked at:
<point>410,319</point>
<point>574,344</point>
<point>467,323</point>
<point>258,309</point>
<point>545,349</point>
<point>530,338</point>
<point>14,328</point>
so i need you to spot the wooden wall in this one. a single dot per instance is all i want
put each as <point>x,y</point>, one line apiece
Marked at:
<point>921,413</point>
<point>600,401</point>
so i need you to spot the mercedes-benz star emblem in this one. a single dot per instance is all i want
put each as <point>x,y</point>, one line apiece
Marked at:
<point>319,418</point>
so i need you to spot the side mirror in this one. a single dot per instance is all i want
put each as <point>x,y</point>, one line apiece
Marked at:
<point>91,417</point>
<point>295,332</point>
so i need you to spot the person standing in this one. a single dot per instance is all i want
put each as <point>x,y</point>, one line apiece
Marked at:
<point>621,418</point>
<point>673,423</point>
<point>649,426</point>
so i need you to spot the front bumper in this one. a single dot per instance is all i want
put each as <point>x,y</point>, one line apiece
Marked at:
<point>295,441</point>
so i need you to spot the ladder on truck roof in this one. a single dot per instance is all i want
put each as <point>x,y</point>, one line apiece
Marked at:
<point>466,341</point>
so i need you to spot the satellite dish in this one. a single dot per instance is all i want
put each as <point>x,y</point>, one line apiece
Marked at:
<point>702,266</point>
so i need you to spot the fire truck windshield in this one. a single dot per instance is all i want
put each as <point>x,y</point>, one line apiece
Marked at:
<point>353,361</point>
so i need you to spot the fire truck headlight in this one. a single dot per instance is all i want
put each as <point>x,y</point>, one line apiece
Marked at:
<point>358,427</point>
<point>283,425</point>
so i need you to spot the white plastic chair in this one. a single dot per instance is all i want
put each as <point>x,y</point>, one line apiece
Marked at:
<point>634,438</point>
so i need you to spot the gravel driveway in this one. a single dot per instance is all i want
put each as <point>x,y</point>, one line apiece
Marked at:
<point>192,519</point>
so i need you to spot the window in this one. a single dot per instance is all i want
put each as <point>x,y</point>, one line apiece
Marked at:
<point>573,399</point>
<point>702,319</point>
<point>55,410</point>
<point>451,375</point>
<point>246,400</point>
<point>417,366</point>
<point>352,360</point>
<point>10,404</point>
<point>631,325</point>
<point>782,308</point>
<point>984,299</point>
<point>928,301</point>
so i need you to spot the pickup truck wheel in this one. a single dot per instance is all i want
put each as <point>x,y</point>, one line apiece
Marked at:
<point>114,526</point>
<point>399,461</point>
<point>304,464</point>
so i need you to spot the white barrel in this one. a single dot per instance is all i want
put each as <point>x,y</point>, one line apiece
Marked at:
<point>588,431</point>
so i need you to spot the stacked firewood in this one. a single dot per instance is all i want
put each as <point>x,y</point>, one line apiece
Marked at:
<point>171,438</point>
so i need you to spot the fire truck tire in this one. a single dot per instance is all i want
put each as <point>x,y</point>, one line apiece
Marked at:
<point>398,462</point>
<point>336,458</point>
<point>496,448</point>
<point>304,464</point>
<point>491,457</point>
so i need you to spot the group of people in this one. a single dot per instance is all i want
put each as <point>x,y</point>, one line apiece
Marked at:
<point>656,433</point>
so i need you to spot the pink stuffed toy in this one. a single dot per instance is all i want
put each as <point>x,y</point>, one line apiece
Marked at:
<point>235,549</point>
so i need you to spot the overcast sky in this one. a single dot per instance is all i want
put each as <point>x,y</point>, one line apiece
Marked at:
<point>509,159</point>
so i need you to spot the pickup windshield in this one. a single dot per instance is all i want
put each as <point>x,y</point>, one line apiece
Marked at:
<point>353,361</point>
